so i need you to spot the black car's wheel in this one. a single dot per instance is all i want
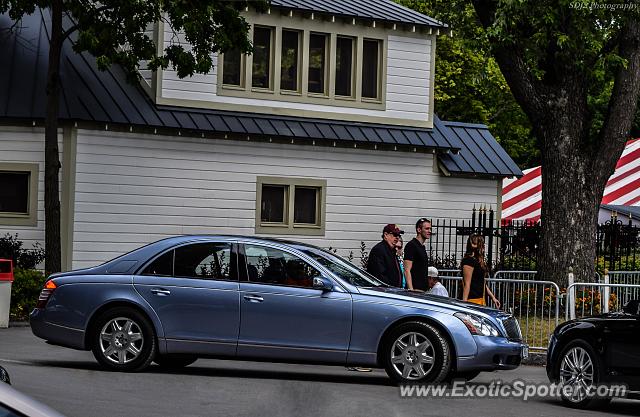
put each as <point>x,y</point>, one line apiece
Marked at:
<point>123,340</point>
<point>579,371</point>
<point>174,361</point>
<point>416,352</point>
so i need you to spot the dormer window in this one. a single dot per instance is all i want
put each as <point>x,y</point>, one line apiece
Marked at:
<point>344,66</point>
<point>233,68</point>
<point>371,64</point>
<point>261,74</point>
<point>318,63</point>
<point>307,62</point>
<point>290,60</point>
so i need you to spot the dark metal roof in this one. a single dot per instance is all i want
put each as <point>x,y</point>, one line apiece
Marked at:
<point>91,96</point>
<point>379,10</point>
<point>481,153</point>
<point>623,211</point>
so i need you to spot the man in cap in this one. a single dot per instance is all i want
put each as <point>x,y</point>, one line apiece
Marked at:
<point>434,283</point>
<point>382,262</point>
<point>415,257</point>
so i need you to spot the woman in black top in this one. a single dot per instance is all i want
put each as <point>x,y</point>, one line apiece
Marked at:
<point>474,272</point>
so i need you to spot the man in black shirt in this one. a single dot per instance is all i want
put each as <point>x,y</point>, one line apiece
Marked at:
<point>382,262</point>
<point>415,257</point>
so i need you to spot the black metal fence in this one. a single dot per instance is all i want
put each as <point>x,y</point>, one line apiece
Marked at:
<point>514,245</point>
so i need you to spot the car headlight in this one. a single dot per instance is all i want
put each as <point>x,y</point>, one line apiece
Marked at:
<point>478,325</point>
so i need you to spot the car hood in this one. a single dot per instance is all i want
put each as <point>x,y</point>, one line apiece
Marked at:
<point>422,298</point>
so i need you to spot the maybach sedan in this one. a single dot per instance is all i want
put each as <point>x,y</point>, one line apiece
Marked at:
<point>186,297</point>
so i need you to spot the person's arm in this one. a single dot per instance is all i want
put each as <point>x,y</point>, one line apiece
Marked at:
<point>467,273</point>
<point>407,273</point>
<point>493,297</point>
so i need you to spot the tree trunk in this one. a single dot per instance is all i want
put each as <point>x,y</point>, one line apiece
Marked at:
<point>53,259</point>
<point>570,204</point>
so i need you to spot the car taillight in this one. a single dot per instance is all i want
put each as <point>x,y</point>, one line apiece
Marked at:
<point>49,288</point>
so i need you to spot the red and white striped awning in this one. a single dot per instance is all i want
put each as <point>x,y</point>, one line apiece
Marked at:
<point>522,198</point>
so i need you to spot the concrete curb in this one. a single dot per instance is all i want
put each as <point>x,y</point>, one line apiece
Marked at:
<point>18,324</point>
<point>535,359</point>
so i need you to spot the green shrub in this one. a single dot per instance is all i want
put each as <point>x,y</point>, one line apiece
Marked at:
<point>26,287</point>
<point>11,248</point>
<point>624,263</point>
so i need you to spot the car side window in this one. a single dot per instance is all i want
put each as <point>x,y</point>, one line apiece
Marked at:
<point>162,266</point>
<point>210,260</point>
<point>273,266</point>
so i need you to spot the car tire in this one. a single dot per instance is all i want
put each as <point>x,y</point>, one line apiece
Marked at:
<point>416,352</point>
<point>579,352</point>
<point>174,361</point>
<point>123,339</point>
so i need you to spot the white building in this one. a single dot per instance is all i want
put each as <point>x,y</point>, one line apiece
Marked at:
<point>325,134</point>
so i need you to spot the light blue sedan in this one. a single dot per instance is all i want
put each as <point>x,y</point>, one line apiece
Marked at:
<point>186,297</point>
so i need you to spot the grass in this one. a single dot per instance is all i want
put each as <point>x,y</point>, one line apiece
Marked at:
<point>537,329</point>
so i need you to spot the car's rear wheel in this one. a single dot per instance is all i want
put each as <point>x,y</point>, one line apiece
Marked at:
<point>123,340</point>
<point>416,352</point>
<point>174,361</point>
<point>579,372</point>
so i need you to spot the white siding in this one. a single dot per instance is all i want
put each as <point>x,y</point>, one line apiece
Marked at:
<point>408,77</point>
<point>135,189</point>
<point>26,145</point>
<point>147,74</point>
<point>199,86</point>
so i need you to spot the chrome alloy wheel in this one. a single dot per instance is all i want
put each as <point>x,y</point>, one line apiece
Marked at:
<point>412,356</point>
<point>576,372</point>
<point>121,340</point>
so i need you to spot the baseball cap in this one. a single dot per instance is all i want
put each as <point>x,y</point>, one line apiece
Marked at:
<point>432,272</point>
<point>393,229</point>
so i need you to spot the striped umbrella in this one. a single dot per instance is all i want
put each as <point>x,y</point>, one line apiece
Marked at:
<point>522,198</point>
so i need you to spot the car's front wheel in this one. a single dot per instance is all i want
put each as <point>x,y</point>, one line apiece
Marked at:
<point>417,352</point>
<point>579,372</point>
<point>123,340</point>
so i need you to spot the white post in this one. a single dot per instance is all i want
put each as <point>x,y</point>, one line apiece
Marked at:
<point>571,298</point>
<point>605,292</point>
<point>5,303</point>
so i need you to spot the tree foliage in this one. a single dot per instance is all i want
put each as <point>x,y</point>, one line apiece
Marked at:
<point>574,68</point>
<point>469,86</point>
<point>114,32</point>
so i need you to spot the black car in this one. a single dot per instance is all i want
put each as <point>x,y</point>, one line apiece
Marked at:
<point>594,351</point>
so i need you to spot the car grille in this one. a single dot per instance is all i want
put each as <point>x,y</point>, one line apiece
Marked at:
<point>512,327</point>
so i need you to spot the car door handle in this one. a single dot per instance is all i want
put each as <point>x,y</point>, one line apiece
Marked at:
<point>160,292</point>
<point>253,298</point>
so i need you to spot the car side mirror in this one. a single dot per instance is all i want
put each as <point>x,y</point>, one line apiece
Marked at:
<point>322,283</point>
<point>632,307</point>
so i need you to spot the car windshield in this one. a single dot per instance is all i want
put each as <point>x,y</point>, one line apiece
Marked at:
<point>342,268</point>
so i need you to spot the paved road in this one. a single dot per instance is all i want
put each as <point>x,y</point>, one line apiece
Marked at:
<point>71,382</point>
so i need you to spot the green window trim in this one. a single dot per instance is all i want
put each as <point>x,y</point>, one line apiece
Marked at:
<point>30,218</point>
<point>288,226</point>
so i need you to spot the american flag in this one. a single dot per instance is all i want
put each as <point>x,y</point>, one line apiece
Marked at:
<point>522,198</point>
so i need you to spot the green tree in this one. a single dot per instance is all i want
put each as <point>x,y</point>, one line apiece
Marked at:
<point>574,68</point>
<point>469,86</point>
<point>113,31</point>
